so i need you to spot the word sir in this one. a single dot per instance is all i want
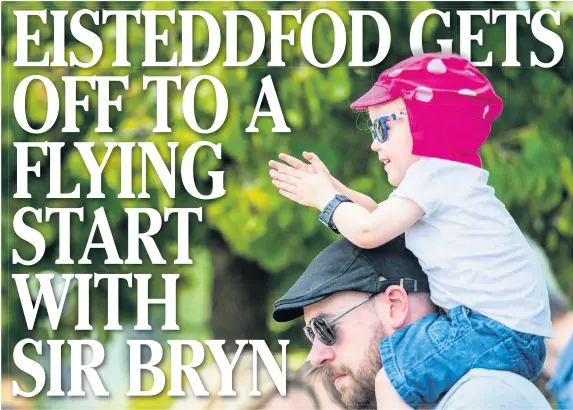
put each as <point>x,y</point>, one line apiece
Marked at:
<point>47,295</point>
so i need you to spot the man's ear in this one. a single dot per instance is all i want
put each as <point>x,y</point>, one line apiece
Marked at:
<point>398,306</point>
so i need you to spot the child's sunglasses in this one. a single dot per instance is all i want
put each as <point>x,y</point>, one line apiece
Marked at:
<point>379,128</point>
<point>323,329</point>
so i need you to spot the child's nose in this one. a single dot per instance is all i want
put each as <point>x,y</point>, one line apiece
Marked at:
<point>375,146</point>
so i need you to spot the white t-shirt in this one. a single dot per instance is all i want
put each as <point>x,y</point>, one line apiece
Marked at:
<point>471,248</point>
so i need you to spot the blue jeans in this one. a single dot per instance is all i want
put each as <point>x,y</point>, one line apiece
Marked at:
<point>425,359</point>
<point>561,384</point>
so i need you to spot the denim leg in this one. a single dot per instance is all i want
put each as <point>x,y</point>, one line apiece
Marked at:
<point>424,360</point>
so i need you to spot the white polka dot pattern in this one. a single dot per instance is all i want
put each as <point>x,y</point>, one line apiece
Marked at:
<point>395,73</point>
<point>485,111</point>
<point>423,94</point>
<point>434,86</point>
<point>465,91</point>
<point>437,66</point>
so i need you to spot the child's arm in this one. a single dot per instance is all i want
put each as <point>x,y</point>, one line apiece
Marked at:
<point>363,228</point>
<point>371,229</point>
<point>357,197</point>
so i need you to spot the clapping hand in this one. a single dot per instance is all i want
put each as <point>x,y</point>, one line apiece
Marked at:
<point>307,184</point>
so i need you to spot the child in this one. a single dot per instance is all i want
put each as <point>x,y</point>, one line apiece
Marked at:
<point>430,115</point>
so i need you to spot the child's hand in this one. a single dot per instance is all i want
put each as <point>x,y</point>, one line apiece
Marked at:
<point>309,187</point>
<point>315,162</point>
<point>295,163</point>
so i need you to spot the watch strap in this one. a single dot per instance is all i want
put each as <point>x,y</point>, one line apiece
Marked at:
<point>326,215</point>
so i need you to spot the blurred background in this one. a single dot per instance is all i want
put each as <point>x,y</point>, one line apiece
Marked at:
<point>253,243</point>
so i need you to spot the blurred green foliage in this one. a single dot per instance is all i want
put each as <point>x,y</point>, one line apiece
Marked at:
<point>529,154</point>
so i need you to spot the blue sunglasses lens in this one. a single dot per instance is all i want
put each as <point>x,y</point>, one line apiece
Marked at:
<point>379,131</point>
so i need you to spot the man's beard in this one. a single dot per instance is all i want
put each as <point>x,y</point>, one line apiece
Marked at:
<point>362,394</point>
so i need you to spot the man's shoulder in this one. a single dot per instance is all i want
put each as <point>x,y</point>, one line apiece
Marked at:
<point>493,389</point>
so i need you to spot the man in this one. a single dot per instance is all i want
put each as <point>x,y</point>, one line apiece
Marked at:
<point>351,298</point>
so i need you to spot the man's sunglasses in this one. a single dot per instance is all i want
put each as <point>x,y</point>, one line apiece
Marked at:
<point>379,128</point>
<point>323,329</point>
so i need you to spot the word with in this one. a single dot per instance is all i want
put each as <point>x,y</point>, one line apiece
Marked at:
<point>48,290</point>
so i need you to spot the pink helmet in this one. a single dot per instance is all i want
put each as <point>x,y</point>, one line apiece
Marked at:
<point>450,104</point>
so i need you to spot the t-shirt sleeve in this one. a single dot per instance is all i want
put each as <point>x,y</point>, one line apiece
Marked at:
<point>426,183</point>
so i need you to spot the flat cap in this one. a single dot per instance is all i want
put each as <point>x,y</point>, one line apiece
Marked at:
<point>342,266</point>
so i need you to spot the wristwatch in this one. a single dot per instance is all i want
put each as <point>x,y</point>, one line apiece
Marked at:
<point>326,215</point>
